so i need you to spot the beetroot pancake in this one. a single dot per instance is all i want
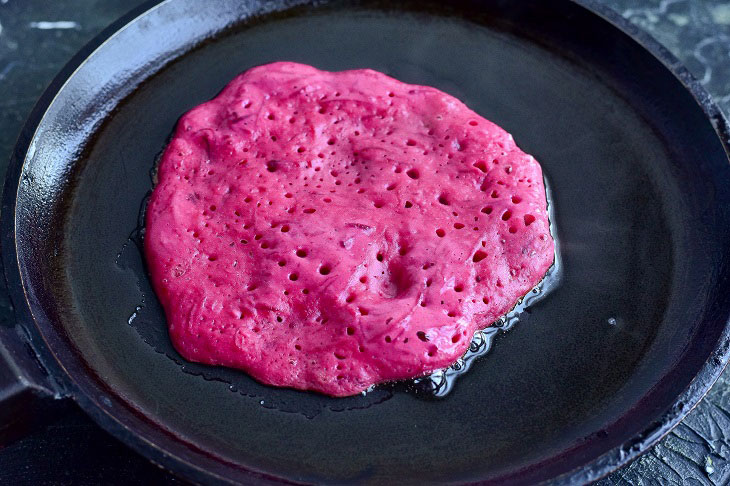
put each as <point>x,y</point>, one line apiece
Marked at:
<point>329,231</point>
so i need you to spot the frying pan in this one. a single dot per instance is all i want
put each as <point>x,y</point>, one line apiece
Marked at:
<point>592,376</point>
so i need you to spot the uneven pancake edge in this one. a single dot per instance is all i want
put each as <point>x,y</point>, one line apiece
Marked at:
<point>331,231</point>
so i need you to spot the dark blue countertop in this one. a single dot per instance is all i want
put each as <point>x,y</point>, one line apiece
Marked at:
<point>37,37</point>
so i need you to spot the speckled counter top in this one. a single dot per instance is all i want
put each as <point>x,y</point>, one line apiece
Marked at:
<point>37,37</point>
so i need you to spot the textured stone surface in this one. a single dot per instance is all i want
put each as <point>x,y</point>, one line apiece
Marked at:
<point>697,452</point>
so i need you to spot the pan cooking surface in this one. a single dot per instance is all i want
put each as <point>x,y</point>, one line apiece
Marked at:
<point>627,205</point>
<point>543,379</point>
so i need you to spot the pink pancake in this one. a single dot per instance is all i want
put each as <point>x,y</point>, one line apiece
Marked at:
<point>330,231</point>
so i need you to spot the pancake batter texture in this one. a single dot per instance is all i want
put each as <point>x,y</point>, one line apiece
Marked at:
<point>328,231</point>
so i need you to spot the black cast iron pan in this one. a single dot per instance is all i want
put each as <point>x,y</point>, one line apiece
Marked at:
<point>594,375</point>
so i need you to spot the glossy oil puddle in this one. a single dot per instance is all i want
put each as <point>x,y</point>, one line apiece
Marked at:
<point>440,383</point>
<point>149,322</point>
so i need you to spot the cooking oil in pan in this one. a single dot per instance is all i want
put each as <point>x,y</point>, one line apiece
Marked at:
<point>440,383</point>
<point>436,385</point>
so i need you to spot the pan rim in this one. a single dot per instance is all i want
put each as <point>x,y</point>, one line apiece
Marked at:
<point>593,470</point>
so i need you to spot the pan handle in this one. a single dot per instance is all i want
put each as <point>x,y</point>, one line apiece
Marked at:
<point>28,398</point>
